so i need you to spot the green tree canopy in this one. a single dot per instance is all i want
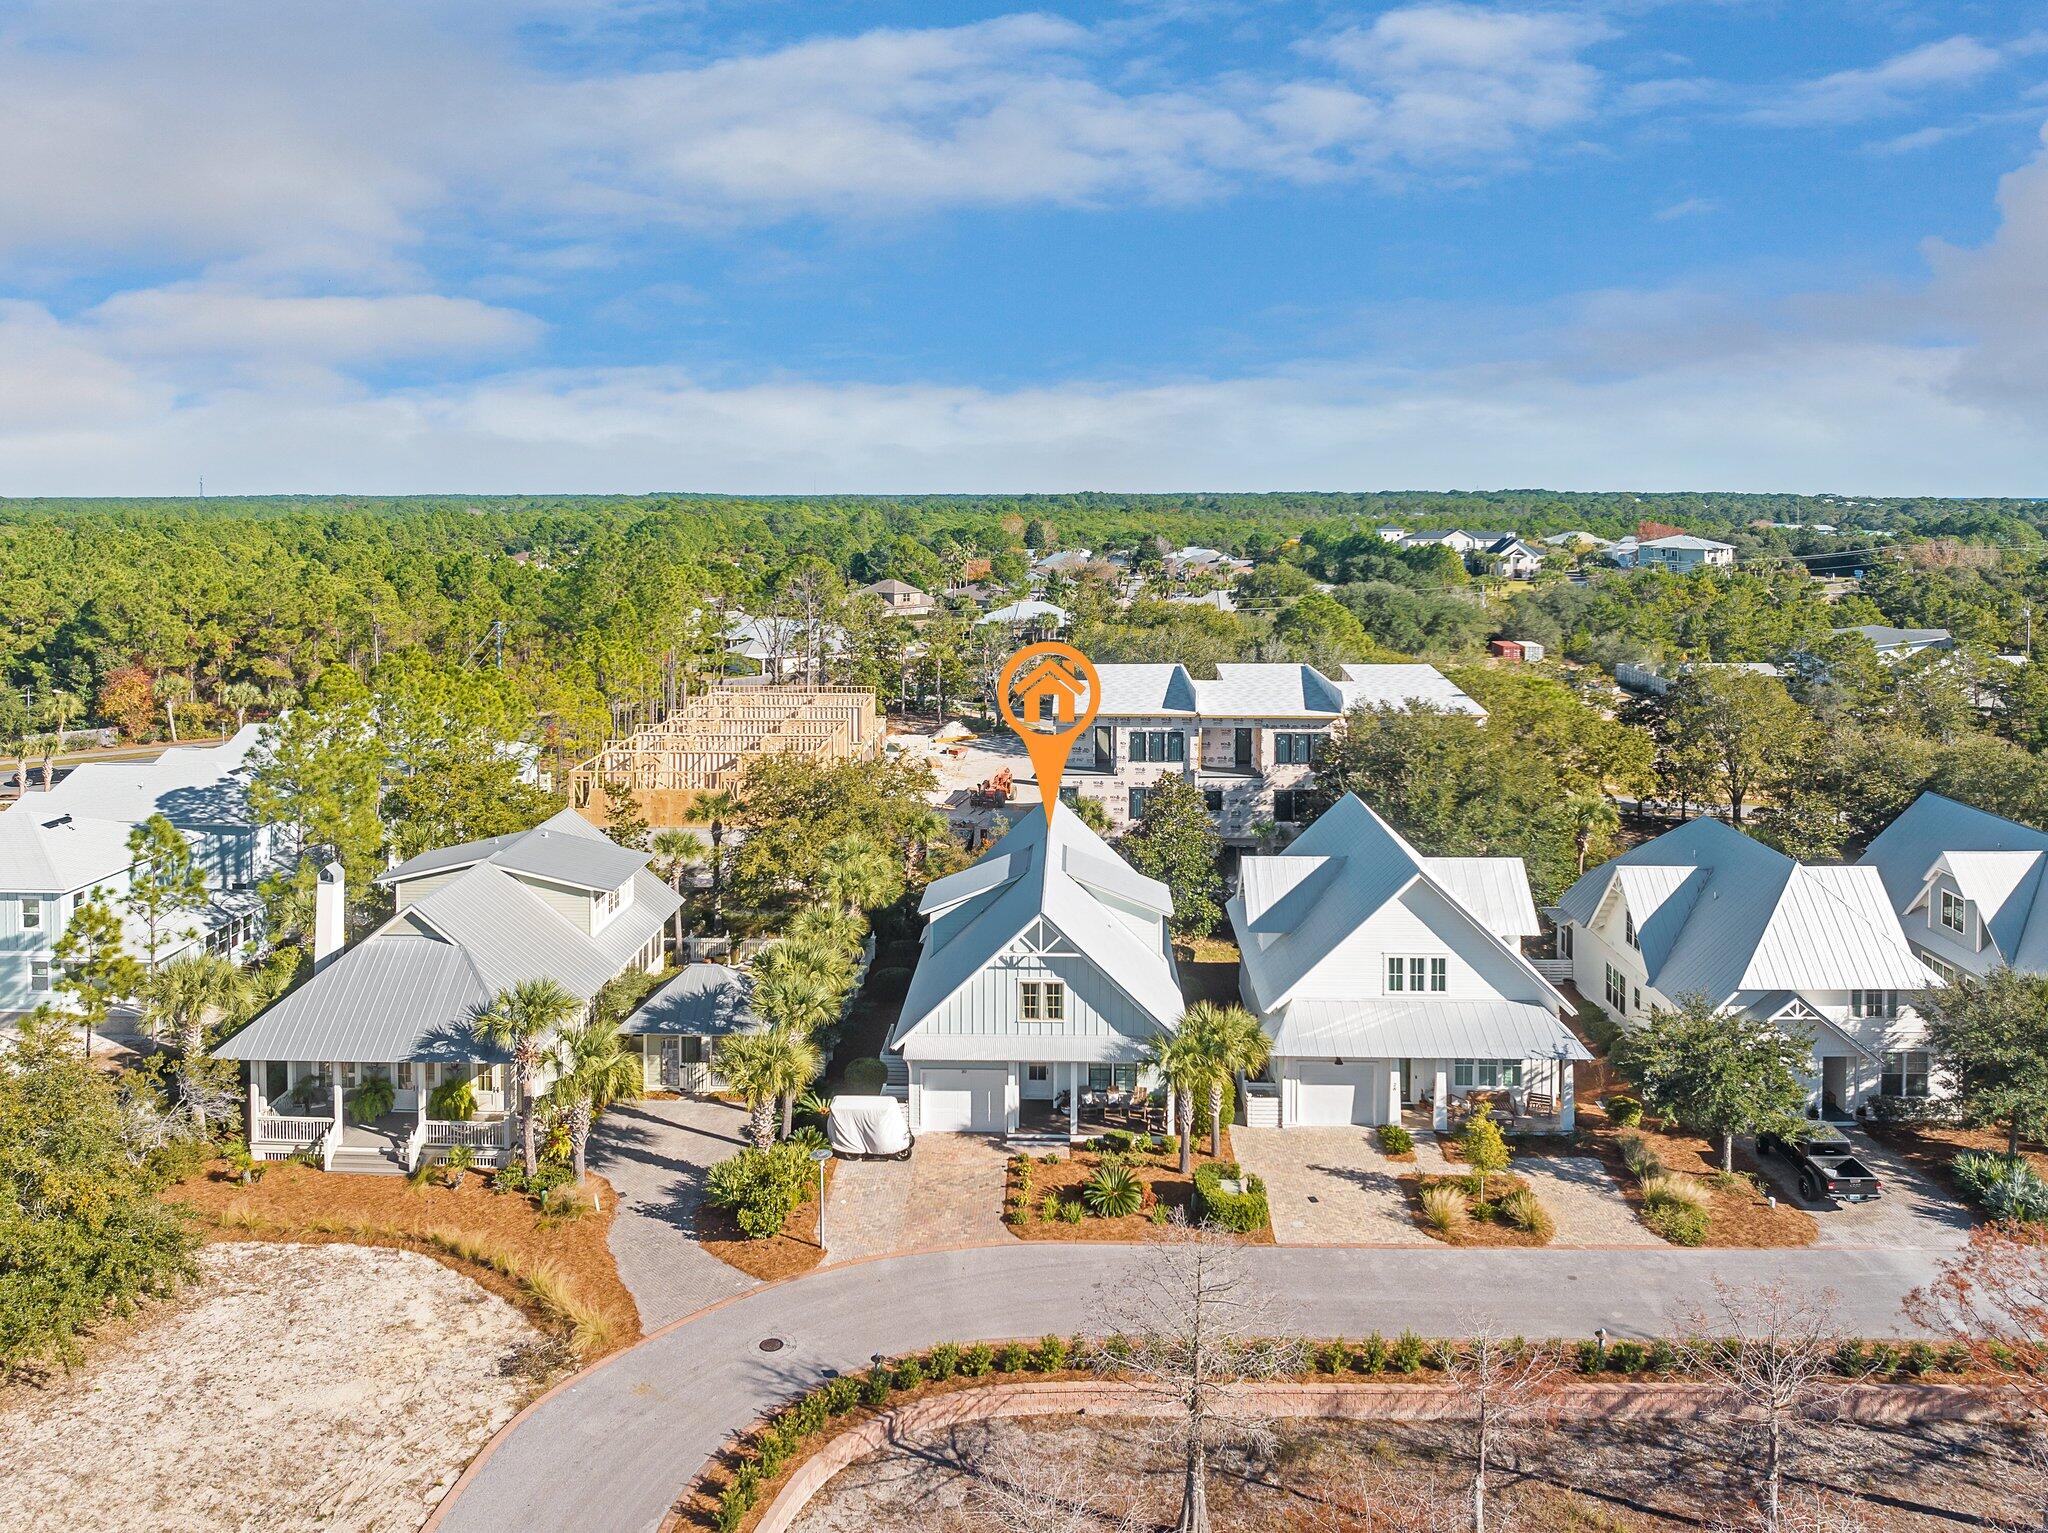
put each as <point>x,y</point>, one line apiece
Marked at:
<point>1717,1073</point>
<point>1990,1038</point>
<point>1176,842</point>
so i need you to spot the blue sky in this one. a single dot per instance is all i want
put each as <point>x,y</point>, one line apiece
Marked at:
<point>625,245</point>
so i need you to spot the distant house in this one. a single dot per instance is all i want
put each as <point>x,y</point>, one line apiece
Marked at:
<point>1032,614</point>
<point>901,597</point>
<point>1682,553</point>
<point>1045,969</point>
<point>1067,561</point>
<point>1460,543</point>
<point>1966,884</point>
<point>1580,542</point>
<point>1816,951</point>
<point>559,902</point>
<point>1636,677</point>
<point>1510,556</point>
<point>59,846</point>
<point>1391,533</point>
<point>1902,643</point>
<point>782,649</point>
<point>1387,978</point>
<point>1221,601</point>
<point>676,1030</point>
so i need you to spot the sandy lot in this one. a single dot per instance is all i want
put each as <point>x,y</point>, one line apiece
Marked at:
<point>294,1387</point>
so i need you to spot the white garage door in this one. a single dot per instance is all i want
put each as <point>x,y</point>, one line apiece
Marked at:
<point>964,1101</point>
<point>1326,1092</point>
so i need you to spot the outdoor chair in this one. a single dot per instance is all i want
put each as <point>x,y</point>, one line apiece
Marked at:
<point>1137,1111</point>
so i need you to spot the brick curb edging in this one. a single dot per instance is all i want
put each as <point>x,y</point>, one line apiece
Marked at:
<point>1865,1404</point>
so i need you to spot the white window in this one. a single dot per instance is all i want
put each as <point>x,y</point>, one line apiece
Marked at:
<point>1617,989</point>
<point>1486,1074</point>
<point>1044,1000</point>
<point>607,905</point>
<point>1950,906</point>
<point>1417,974</point>
<point>1873,1003</point>
<point>1905,1073</point>
<point>39,975</point>
<point>1947,971</point>
<point>405,1075</point>
<point>31,914</point>
<point>1034,1072</point>
<point>1628,930</point>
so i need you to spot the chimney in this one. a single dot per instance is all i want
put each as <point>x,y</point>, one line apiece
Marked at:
<point>330,908</point>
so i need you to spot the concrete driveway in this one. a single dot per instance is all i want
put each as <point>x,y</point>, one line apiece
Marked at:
<point>1912,1214</point>
<point>657,1154</point>
<point>949,1193</point>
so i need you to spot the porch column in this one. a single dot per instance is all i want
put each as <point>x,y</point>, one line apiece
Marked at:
<point>1393,1091</point>
<point>1172,1100</point>
<point>256,1102</point>
<point>336,1068</point>
<point>1440,1108</point>
<point>419,1095</point>
<point>1567,1104</point>
<point>1073,1099</point>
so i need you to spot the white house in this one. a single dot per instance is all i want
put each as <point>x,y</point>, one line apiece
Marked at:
<point>1508,555</point>
<point>1388,979</point>
<point>1967,886</point>
<point>1705,910</point>
<point>1045,969</point>
<point>558,902</point>
<point>1457,541</point>
<point>1250,739</point>
<point>676,1030</point>
<point>1902,643</point>
<point>901,598</point>
<point>1682,553</point>
<point>57,847</point>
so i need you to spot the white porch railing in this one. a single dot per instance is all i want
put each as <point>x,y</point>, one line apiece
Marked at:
<point>414,1143</point>
<point>478,1136</point>
<point>1553,969</point>
<point>276,1129</point>
<point>329,1147</point>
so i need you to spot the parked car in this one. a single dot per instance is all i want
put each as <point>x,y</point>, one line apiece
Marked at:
<point>869,1128</point>
<point>1827,1166</point>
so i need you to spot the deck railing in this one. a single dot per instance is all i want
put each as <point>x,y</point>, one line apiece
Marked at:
<point>477,1136</point>
<point>278,1129</point>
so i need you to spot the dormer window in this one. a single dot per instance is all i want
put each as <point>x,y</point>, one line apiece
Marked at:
<point>1628,930</point>
<point>610,902</point>
<point>1950,910</point>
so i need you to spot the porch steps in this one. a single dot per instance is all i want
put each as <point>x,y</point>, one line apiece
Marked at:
<point>897,1084</point>
<point>364,1160</point>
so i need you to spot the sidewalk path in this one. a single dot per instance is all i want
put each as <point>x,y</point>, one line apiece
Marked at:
<point>611,1451</point>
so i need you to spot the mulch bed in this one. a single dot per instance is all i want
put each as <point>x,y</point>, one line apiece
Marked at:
<point>1158,1174</point>
<point>299,1204</point>
<point>1739,1215</point>
<point>795,1250</point>
<point>1481,1229</point>
<point>1931,1146</point>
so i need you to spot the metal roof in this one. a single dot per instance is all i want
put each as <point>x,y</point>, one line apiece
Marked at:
<point>1032,879</point>
<point>1731,914</point>
<point>1423,1029</point>
<point>707,999</point>
<point>1684,540</point>
<point>1275,690</point>
<point>1905,852</point>
<point>565,848</point>
<point>1495,889</point>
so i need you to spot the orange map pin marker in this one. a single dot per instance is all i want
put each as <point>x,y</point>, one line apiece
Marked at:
<point>1050,679</point>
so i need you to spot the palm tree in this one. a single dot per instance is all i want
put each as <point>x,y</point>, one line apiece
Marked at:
<point>675,852</point>
<point>63,709</point>
<point>798,1004</point>
<point>756,1065</point>
<point>189,995</point>
<point>855,875</point>
<point>815,924</point>
<point>812,959</point>
<point>170,687</point>
<point>924,828</point>
<point>716,809</point>
<point>1230,1038</point>
<point>240,696</point>
<point>522,1021</point>
<point>1186,1069</point>
<point>592,1071</point>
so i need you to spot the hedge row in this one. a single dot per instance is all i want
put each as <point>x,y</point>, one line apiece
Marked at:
<point>1243,1212</point>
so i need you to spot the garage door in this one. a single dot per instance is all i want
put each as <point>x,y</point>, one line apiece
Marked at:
<point>964,1101</point>
<point>1326,1092</point>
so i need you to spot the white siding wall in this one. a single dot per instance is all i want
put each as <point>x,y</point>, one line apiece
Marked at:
<point>1420,924</point>
<point>573,905</point>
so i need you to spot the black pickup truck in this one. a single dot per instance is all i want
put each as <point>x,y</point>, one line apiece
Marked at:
<point>1827,1166</point>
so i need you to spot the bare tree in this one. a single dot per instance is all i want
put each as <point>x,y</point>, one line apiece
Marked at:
<point>1774,1350</point>
<point>1184,1331</point>
<point>1507,1380</point>
<point>1993,1297</point>
<point>1369,1496</point>
<point>1031,1486</point>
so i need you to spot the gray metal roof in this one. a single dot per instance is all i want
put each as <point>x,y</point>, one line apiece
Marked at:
<point>1982,852</point>
<point>706,999</point>
<point>1423,1029</point>
<point>1273,689</point>
<point>565,848</point>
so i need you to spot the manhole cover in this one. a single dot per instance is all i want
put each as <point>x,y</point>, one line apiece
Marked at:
<point>772,1344</point>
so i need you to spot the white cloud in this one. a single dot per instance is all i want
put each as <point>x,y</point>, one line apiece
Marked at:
<point>1688,207</point>
<point>201,320</point>
<point>1855,95</point>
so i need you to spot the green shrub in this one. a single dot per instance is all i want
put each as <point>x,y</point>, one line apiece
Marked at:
<point>1112,1193</point>
<point>1049,1356</point>
<point>1333,1357</point>
<point>1678,1223</point>
<point>875,1388</point>
<point>1920,1359</point>
<point>866,1076</point>
<point>1663,1358</point>
<point>842,1395</point>
<point>889,984</point>
<point>1117,1141</point>
<point>943,1361</point>
<point>1623,1111</point>
<point>1244,1211</point>
<point>762,1188</point>
<point>907,1374</point>
<point>460,1160</point>
<point>1885,1109</point>
<point>977,1360</point>
<point>1374,1354</point>
<point>1394,1139</point>
<point>2003,1189</point>
<point>1169,1147</point>
<point>1588,1357</point>
<point>1884,1359</point>
<point>452,1101</point>
<point>1674,1191</point>
<point>1410,1353</point>
<point>1525,1211</point>
<point>1071,1211</point>
<point>1847,1360</point>
<point>1955,1358</point>
<point>1161,1215</point>
<point>372,1099</point>
<point>1443,1207</point>
<point>2002,1357</point>
<point>1012,1357</point>
<point>1627,1357</point>
<point>1049,1210</point>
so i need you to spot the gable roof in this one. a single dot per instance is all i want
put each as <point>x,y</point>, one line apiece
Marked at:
<point>1348,866</point>
<point>565,848</point>
<point>706,999</point>
<point>1062,872</point>
<point>1685,540</point>
<point>407,990</point>
<point>1997,864</point>
<point>1721,913</point>
<point>1275,689</point>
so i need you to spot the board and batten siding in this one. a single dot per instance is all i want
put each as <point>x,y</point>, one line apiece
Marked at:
<point>990,1004</point>
<point>1421,924</point>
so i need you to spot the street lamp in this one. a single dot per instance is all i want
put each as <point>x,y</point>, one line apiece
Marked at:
<point>821,1156</point>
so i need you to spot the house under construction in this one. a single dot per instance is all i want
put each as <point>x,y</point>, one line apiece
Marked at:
<point>708,741</point>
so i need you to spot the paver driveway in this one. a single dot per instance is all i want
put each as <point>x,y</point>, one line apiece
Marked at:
<point>657,1154</point>
<point>1332,1186</point>
<point>1584,1200</point>
<point>1912,1213</point>
<point>949,1193</point>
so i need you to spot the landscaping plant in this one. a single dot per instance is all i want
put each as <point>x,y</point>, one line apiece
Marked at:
<point>1111,1192</point>
<point>1484,1151</point>
<point>762,1188</point>
<point>372,1099</point>
<point>1394,1139</point>
<point>1443,1208</point>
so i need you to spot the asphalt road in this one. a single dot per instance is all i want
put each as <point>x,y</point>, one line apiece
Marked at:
<point>611,1452</point>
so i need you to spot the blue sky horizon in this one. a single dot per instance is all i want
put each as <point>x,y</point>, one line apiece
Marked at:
<point>625,245</point>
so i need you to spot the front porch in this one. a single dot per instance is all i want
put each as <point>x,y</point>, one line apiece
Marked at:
<point>318,1112</point>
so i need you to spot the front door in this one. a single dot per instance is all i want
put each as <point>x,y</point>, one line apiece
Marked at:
<point>671,1064</point>
<point>1241,749</point>
<point>1834,1084</point>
